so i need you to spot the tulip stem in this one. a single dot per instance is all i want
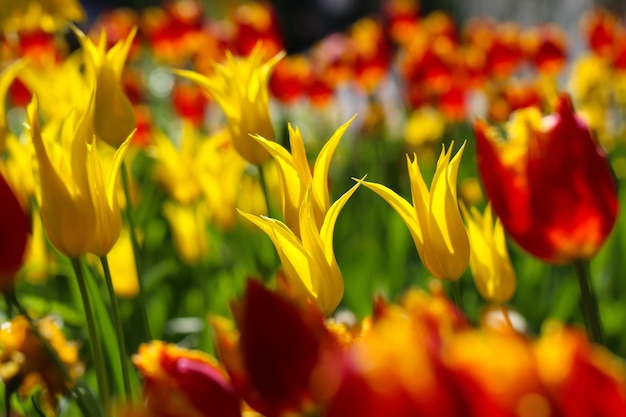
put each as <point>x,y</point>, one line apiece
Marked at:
<point>94,338</point>
<point>118,326</point>
<point>589,302</point>
<point>147,335</point>
<point>457,295</point>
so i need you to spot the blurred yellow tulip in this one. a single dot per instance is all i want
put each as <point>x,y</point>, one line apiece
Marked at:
<point>240,87</point>
<point>188,230</point>
<point>489,259</point>
<point>48,15</point>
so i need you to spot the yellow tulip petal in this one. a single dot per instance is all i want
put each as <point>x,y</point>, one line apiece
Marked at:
<point>322,164</point>
<point>114,116</point>
<point>6,78</point>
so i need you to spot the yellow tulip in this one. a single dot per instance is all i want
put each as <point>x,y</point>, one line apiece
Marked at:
<point>240,87</point>
<point>434,219</point>
<point>105,68</point>
<point>295,174</point>
<point>489,260</point>
<point>176,167</point>
<point>7,76</point>
<point>59,87</point>
<point>309,262</point>
<point>78,204</point>
<point>189,232</point>
<point>49,15</point>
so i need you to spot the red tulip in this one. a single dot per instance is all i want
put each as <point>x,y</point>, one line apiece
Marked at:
<point>14,230</point>
<point>550,183</point>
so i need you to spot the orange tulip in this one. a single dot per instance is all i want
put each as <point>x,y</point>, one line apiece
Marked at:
<point>550,183</point>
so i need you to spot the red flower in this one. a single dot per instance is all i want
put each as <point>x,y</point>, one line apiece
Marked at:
<point>550,183</point>
<point>14,229</point>
<point>281,342</point>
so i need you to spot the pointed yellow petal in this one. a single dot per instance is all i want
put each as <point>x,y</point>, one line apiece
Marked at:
<point>114,116</point>
<point>322,164</point>
<point>295,260</point>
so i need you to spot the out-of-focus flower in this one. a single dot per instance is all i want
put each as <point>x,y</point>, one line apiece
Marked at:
<point>599,28</point>
<point>296,177</point>
<point>546,46</point>
<point>48,15</point>
<point>240,87</point>
<point>550,183</point>
<point>291,78</point>
<point>581,379</point>
<point>273,357</point>
<point>189,102</point>
<point>309,261</point>
<point>489,259</point>
<point>372,53</point>
<point>25,360</point>
<point>256,25</point>
<point>400,18</point>
<point>14,232</point>
<point>188,227</point>
<point>434,219</point>
<point>184,382</point>
<point>78,204</point>
<point>176,168</point>
<point>174,30</point>
<point>122,265</point>
<point>424,125</point>
<point>7,76</point>
<point>104,68</point>
<point>395,368</point>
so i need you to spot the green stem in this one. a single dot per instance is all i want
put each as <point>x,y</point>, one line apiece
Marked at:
<point>589,303</point>
<point>147,335</point>
<point>117,320</point>
<point>457,296</point>
<point>94,338</point>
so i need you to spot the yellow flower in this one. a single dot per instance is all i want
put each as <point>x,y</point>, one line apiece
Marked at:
<point>240,87</point>
<point>489,260</point>
<point>7,76</point>
<point>111,104</point>
<point>434,219</point>
<point>176,167</point>
<point>24,358</point>
<point>78,204</point>
<point>122,264</point>
<point>424,125</point>
<point>189,232</point>
<point>48,15</point>
<point>309,262</point>
<point>295,174</point>
<point>59,87</point>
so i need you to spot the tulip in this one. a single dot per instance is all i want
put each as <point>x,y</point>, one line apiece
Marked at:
<point>7,76</point>
<point>14,231</point>
<point>434,219</point>
<point>309,262</point>
<point>550,183</point>
<point>273,354</point>
<point>78,203</point>
<point>49,15</point>
<point>184,382</point>
<point>105,69</point>
<point>489,260</point>
<point>295,174</point>
<point>240,87</point>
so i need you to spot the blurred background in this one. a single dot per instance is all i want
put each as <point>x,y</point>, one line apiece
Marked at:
<point>304,22</point>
